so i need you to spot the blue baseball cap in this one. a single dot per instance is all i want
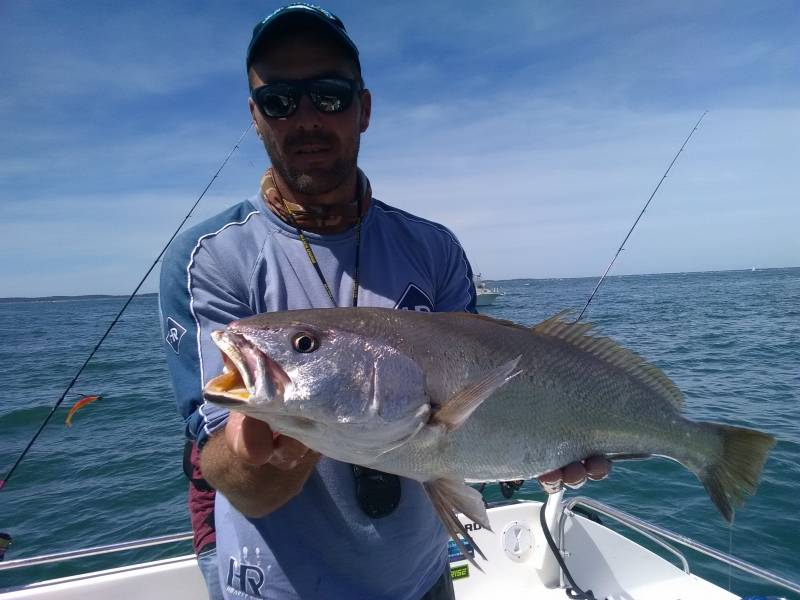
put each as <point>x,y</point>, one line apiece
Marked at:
<point>301,16</point>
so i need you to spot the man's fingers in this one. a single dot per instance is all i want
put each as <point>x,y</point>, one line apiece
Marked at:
<point>249,439</point>
<point>254,442</point>
<point>574,475</point>
<point>551,482</point>
<point>597,467</point>
<point>288,453</point>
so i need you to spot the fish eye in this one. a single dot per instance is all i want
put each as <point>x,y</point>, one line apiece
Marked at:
<point>304,342</point>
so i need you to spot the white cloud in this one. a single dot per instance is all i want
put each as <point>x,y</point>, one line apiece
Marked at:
<point>571,193</point>
<point>535,132</point>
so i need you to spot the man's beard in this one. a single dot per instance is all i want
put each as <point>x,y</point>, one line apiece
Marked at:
<point>317,180</point>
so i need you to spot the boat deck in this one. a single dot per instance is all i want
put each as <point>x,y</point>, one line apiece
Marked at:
<point>519,564</point>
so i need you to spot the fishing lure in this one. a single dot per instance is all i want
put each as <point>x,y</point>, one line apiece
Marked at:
<point>79,405</point>
<point>4,481</point>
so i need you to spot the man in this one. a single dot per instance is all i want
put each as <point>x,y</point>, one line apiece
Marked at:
<point>292,524</point>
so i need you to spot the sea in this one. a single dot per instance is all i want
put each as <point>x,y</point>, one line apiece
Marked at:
<point>730,340</point>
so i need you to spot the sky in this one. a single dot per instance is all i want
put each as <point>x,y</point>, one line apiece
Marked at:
<point>534,130</point>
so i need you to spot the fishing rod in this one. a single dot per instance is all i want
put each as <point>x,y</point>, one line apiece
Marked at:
<point>644,208</point>
<point>5,480</point>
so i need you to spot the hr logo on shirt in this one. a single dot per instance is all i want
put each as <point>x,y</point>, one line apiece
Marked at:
<point>245,579</point>
<point>414,299</point>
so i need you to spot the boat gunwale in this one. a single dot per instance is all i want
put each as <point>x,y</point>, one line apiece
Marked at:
<point>646,528</point>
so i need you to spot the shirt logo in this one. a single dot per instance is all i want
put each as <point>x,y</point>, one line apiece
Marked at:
<point>175,332</point>
<point>245,579</point>
<point>414,299</point>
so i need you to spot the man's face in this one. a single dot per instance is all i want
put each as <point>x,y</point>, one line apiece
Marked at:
<point>313,152</point>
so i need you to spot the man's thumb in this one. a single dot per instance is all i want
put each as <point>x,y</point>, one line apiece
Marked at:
<point>249,439</point>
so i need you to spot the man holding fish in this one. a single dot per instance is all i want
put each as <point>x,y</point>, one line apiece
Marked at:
<point>290,522</point>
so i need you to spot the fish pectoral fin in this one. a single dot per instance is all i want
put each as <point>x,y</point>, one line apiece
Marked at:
<point>464,402</point>
<point>449,496</point>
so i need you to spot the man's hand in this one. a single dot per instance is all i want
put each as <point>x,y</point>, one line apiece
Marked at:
<point>253,442</point>
<point>257,471</point>
<point>575,474</point>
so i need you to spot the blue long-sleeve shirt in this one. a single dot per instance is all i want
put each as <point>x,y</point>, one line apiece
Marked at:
<point>245,261</point>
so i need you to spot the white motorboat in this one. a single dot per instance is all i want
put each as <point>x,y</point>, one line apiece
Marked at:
<point>485,294</point>
<point>519,564</point>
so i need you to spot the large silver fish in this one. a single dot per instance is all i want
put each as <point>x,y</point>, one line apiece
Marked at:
<point>445,398</point>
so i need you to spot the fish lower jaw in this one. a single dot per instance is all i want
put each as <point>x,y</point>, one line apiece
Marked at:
<point>226,399</point>
<point>226,388</point>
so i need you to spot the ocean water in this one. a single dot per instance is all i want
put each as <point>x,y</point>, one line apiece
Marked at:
<point>729,340</point>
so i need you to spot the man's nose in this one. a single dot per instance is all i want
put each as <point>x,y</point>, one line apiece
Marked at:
<point>307,116</point>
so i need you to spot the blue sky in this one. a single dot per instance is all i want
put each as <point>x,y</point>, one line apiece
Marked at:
<point>535,131</point>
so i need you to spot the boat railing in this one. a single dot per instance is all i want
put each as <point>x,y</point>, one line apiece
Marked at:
<point>651,531</point>
<point>94,551</point>
<point>659,534</point>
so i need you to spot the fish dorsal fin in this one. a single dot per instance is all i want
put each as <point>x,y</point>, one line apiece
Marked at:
<point>577,335</point>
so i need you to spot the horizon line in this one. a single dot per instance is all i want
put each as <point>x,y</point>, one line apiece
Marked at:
<point>9,299</point>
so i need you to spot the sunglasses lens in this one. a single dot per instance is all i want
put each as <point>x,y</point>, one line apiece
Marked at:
<point>277,100</point>
<point>331,95</point>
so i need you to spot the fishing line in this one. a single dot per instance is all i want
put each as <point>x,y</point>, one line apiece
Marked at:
<point>5,480</point>
<point>644,208</point>
<point>730,550</point>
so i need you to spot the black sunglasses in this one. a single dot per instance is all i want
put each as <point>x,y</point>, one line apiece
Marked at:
<point>280,99</point>
<point>378,493</point>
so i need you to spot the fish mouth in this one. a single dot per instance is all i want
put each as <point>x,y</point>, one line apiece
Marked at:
<point>247,373</point>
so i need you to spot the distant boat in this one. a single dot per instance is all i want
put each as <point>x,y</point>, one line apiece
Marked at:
<point>485,295</point>
<point>753,269</point>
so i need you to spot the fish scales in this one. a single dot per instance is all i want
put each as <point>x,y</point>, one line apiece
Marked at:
<point>571,404</point>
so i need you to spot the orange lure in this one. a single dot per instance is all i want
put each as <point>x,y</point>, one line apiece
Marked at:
<point>79,405</point>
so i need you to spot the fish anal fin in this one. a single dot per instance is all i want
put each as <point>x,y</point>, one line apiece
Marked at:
<point>464,402</point>
<point>449,496</point>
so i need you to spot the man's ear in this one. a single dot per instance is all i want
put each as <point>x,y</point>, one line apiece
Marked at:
<point>253,108</point>
<point>366,109</point>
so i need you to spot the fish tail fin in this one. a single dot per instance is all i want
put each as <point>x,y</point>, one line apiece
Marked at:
<point>736,472</point>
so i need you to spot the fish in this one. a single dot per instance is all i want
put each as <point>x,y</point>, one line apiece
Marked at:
<point>450,399</point>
